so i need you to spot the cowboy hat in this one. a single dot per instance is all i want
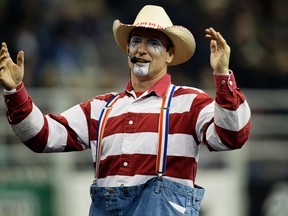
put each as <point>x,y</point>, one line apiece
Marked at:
<point>155,17</point>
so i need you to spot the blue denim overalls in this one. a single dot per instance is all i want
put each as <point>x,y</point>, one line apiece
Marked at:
<point>158,196</point>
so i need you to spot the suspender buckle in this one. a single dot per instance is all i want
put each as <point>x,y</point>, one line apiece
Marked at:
<point>159,176</point>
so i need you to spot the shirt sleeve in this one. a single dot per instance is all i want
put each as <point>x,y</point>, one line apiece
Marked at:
<point>230,126</point>
<point>45,133</point>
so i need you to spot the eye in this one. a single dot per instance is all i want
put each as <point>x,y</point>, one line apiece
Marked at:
<point>135,40</point>
<point>154,42</point>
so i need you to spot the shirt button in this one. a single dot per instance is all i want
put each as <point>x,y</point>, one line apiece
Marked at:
<point>125,164</point>
<point>230,82</point>
<point>223,82</point>
<point>130,122</point>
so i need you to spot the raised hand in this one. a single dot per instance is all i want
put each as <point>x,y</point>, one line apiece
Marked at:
<point>220,52</point>
<point>11,74</point>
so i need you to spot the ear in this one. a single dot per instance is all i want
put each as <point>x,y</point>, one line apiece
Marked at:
<point>170,54</point>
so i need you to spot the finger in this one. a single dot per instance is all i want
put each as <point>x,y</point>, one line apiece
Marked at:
<point>222,43</point>
<point>4,47</point>
<point>211,33</point>
<point>3,57</point>
<point>4,44</point>
<point>4,50</point>
<point>216,36</point>
<point>213,46</point>
<point>20,59</point>
<point>220,38</point>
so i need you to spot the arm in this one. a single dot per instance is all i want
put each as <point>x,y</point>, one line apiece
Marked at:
<point>230,114</point>
<point>41,133</point>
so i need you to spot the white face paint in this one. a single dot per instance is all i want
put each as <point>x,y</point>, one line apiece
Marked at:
<point>152,45</point>
<point>141,69</point>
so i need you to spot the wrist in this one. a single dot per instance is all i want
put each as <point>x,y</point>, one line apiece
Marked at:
<point>8,91</point>
<point>11,86</point>
<point>222,72</point>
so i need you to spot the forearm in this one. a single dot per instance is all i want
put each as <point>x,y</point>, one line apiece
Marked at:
<point>230,127</point>
<point>41,133</point>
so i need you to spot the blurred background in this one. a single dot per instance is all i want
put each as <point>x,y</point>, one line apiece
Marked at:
<point>71,56</point>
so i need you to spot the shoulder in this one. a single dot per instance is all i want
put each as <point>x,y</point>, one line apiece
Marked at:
<point>105,97</point>
<point>183,90</point>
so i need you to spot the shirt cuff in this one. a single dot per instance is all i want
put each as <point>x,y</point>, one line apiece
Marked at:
<point>225,82</point>
<point>15,97</point>
<point>9,92</point>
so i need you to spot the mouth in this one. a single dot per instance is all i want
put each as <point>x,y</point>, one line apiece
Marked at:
<point>142,60</point>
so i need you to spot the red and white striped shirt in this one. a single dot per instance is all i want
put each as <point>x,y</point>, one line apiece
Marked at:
<point>130,139</point>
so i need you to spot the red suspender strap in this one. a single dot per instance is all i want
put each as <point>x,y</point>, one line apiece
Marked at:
<point>163,131</point>
<point>101,126</point>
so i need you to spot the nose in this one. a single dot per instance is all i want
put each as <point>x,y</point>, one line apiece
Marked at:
<point>142,48</point>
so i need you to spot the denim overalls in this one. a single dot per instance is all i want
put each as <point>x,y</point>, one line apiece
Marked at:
<point>158,196</point>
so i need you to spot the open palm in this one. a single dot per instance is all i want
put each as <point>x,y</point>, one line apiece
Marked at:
<point>11,74</point>
<point>220,51</point>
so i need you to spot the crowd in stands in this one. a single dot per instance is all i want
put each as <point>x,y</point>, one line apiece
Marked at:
<point>70,42</point>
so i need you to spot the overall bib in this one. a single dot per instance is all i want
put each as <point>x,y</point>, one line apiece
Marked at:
<point>158,196</point>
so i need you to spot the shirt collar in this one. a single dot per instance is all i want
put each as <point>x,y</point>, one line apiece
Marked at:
<point>159,88</point>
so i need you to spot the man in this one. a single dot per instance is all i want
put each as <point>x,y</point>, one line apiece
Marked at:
<point>144,140</point>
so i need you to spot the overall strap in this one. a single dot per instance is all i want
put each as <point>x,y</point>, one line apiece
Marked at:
<point>163,131</point>
<point>101,127</point>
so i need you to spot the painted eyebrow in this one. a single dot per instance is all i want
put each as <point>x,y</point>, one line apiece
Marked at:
<point>169,42</point>
<point>155,39</point>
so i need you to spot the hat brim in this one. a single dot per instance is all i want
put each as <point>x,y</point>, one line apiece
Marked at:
<point>182,39</point>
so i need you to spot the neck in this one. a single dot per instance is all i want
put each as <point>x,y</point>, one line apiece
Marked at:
<point>142,84</point>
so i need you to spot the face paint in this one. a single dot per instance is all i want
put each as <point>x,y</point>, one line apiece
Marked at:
<point>156,45</point>
<point>141,69</point>
<point>153,44</point>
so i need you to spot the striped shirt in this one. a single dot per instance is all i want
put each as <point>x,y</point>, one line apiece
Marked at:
<point>130,138</point>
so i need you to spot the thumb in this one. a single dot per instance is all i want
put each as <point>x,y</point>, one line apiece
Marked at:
<point>20,59</point>
<point>213,46</point>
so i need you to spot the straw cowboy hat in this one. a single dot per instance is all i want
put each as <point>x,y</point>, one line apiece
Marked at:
<point>155,17</point>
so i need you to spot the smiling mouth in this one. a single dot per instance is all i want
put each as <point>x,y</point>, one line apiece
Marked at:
<point>142,60</point>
